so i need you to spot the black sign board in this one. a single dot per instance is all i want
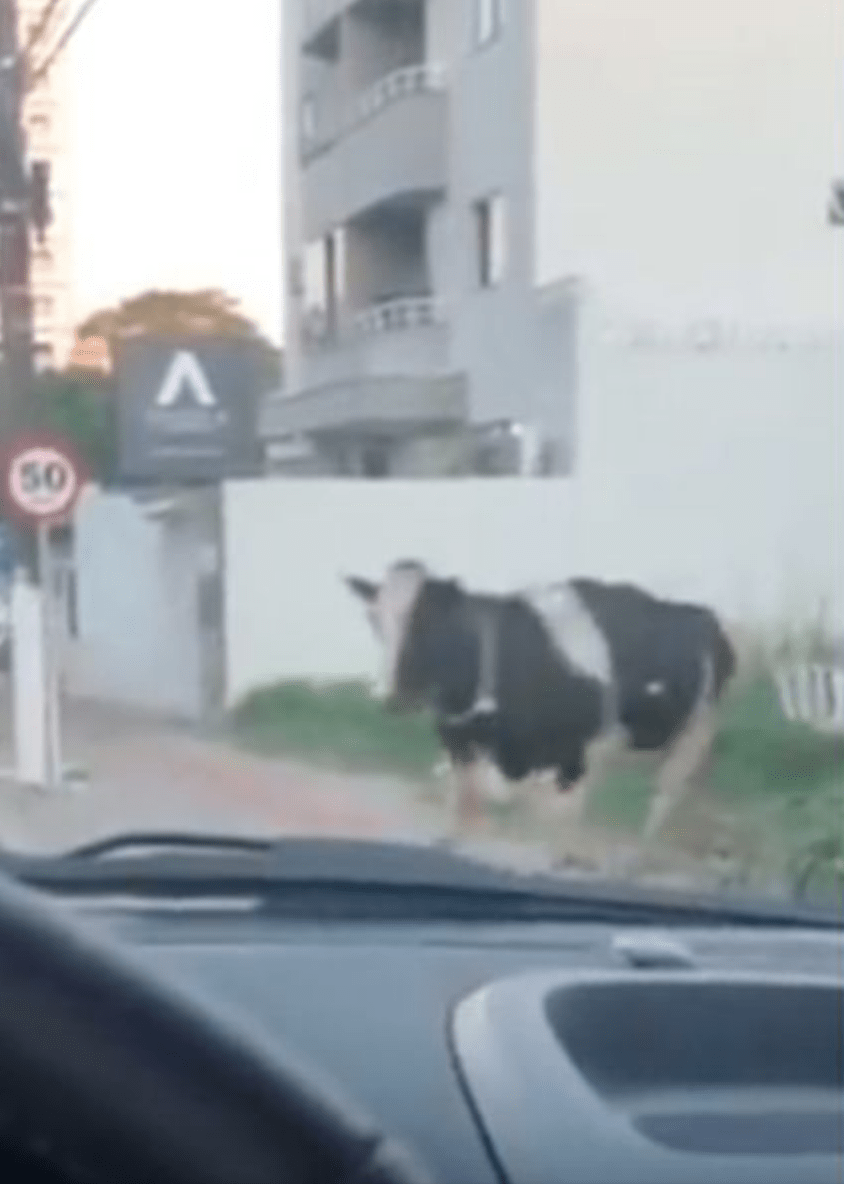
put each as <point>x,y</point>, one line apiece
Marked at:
<point>189,411</point>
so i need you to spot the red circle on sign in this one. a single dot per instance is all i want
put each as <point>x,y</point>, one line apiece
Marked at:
<point>43,476</point>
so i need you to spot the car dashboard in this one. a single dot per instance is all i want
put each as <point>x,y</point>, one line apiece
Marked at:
<point>572,1052</point>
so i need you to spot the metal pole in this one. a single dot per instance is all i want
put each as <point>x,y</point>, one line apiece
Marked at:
<point>51,682</point>
<point>15,286</point>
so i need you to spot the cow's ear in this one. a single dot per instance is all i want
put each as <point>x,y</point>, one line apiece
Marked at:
<point>365,589</point>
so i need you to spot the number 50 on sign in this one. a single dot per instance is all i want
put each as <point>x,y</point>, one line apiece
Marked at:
<point>43,477</point>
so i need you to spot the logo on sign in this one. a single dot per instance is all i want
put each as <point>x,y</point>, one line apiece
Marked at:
<point>185,403</point>
<point>185,371</point>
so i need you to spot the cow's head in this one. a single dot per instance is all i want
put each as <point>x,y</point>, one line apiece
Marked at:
<point>407,611</point>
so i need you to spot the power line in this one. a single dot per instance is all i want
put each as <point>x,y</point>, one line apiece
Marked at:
<point>40,27</point>
<point>37,75</point>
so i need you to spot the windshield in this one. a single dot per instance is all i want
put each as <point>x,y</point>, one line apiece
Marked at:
<point>422,421</point>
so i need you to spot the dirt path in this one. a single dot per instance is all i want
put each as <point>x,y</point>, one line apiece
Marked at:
<point>144,774</point>
<point>151,775</point>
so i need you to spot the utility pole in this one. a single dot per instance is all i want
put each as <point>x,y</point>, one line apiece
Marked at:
<point>15,194</point>
<point>16,213</point>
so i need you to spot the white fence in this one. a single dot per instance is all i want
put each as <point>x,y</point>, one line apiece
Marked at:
<point>814,695</point>
<point>715,475</point>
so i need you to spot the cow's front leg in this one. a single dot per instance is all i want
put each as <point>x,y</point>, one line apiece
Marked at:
<point>467,797</point>
<point>464,793</point>
<point>686,757</point>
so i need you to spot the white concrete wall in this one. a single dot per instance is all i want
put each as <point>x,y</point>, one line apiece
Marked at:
<point>713,476</point>
<point>138,641</point>
<point>684,154</point>
<point>287,543</point>
<point>716,473</point>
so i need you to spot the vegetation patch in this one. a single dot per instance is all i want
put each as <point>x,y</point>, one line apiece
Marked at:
<point>773,792</point>
<point>340,724</point>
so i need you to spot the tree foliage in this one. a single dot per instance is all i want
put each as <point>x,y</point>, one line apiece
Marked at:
<point>80,401</point>
<point>174,316</point>
<point>81,407</point>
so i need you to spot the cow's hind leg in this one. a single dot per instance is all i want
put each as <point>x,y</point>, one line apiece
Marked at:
<point>686,757</point>
<point>600,757</point>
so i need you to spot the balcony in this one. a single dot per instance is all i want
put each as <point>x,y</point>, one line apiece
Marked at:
<point>407,337</point>
<point>318,17</point>
<point>406,313</point>
<point>392,147</point>
<point>320,20</point>
<point>386,406</point>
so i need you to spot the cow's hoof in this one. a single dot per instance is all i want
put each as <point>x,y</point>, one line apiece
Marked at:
<point>447,842</point>
<point>566,779</point>
<point>573,863</point>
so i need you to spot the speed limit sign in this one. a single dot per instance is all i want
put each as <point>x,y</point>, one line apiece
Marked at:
<point>43,476</point>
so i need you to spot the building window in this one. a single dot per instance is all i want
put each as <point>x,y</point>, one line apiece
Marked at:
<point>324,280</point>
<point>315,275</point>
<point>491,233</point>
<point>335,265</point>
<point>489,19</point>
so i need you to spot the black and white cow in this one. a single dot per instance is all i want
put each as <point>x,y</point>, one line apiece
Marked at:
<point>544,679</point>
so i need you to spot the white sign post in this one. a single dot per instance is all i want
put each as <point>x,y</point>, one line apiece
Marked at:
<point>43,479</point>
<point>29,683</point>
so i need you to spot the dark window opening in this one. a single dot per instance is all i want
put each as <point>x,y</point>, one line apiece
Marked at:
<point>491,240</point>
<point>489,18</point>
<point>375,461</point>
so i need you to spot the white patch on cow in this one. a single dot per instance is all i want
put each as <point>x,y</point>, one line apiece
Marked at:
<point>573,630</point>
<point>391,615</point>
<point>655,688</point>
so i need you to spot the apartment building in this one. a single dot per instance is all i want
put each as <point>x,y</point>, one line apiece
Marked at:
<point>47,124</point>
<point>473,186</point>
<point>417,340</point>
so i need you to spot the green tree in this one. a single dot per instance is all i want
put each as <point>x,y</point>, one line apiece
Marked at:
<point>173,316</point>
<point>80,401</point>
<point>81,407</point>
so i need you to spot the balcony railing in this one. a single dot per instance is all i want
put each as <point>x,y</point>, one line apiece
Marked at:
<point>391,316</point>
<point>410,80</point>
<point>408,312</point>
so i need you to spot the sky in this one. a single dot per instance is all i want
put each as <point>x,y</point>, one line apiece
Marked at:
<point>175,110</point>
<point>696,187</point>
